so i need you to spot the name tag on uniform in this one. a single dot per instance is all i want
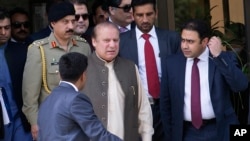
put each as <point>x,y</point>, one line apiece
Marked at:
<point>54,63</point>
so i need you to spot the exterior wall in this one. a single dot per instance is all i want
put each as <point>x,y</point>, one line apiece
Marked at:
<point>236,11</point>
<point>217,13</point>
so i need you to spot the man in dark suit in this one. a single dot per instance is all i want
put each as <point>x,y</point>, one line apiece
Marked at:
<point>163,42</point>
<point>66,114</point>
<point>10,85</point>
<point>120,13</point>
<point>207,118</point>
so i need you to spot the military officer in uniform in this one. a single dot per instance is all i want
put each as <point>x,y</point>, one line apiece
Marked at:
<point>41,68</point>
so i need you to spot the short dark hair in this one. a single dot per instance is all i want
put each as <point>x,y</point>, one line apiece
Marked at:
<point>112,3</point>
<point>200,26</point>
<point>143,2</point>
<point>4,13</point>
<point>95,5</point>
<point>18,10</point>
<point>79,2</point>
<point>72,65</point>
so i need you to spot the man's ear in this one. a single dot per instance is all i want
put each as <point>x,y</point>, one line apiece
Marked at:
<point>111,10</point>
<point>52,24</point>
<point>205,41</point>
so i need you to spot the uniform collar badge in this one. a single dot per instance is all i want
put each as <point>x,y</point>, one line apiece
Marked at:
<point>74,42</point>
<point>53,44</point>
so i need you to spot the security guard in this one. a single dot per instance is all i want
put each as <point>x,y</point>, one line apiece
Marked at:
<point>41,68</point>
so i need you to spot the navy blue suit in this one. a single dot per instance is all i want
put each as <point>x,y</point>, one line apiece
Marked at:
<point>68,115</point>
<point>169,43</point>
<point>223,76</point>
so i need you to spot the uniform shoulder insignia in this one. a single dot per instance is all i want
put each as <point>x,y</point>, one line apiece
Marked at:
<point>78,38</point>
<point>40,42</point>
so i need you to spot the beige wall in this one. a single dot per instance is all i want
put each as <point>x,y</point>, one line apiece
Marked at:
<point>217,14</point>
<point>236,11</point>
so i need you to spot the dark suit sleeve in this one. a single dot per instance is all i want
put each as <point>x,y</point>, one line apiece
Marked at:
<point>165,104</point>
<point>83,113</point>
<point>227,64</point>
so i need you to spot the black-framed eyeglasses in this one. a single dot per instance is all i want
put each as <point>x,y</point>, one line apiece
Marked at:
<point>125,8</point>
<point>84,16</point>
<point>20,24</point>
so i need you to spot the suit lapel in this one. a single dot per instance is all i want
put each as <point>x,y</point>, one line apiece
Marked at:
<point>211,69</point>
<point>132,45</point>
<point>181,72</point>
<point>161,42</point>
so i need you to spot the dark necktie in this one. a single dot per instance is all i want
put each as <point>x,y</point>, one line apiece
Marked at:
<point>151,68</point>
<point>123,29</point>
<point>195,96</point>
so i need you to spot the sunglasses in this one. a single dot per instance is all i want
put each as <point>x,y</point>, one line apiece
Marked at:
<point>84,16</point>
<point>20,24</point>
<point>125,8</point>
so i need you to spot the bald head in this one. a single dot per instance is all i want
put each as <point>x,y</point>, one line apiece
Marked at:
<point>102,25</point>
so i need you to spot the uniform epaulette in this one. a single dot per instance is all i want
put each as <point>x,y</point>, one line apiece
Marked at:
<point>40,42</point>
<point>78,38</point>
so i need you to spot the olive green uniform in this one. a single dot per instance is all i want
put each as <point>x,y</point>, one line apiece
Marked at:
<point>37,83</point>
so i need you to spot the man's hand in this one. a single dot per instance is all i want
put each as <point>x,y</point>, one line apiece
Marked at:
<point>34,131</point>
<point>215,46</point>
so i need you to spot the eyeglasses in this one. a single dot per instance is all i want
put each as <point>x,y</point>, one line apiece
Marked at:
<point>84,16</point>
<point>20,24</point>
<point>125,8</point>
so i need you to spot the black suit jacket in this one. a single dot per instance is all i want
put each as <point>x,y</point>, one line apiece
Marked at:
<point>15,54</point>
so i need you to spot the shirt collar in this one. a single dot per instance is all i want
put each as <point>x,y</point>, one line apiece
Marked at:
<point>203,56</point>
<point>152,33</point>
<point>76,89</point>
<point>54,43</point>
<point>128,26</point>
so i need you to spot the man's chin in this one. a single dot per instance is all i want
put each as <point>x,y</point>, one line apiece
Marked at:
<point>80,32</point>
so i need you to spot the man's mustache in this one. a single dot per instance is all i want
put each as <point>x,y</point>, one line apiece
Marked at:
<point>22,31</point>
<point>70,31</point>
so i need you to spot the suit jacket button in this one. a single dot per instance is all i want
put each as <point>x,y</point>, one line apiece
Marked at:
<point>103,93</point>
<point>103,70</point>
<point>103,106</point>
<point>103,83</point>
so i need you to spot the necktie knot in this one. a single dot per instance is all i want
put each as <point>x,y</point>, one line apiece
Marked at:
<point>145,36</point>
<point>196,60</point>
<point>123,29</point>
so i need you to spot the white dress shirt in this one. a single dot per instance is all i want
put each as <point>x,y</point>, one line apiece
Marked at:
<point>206,104</point>
<point>116,106</point>
<point>141,56</point>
